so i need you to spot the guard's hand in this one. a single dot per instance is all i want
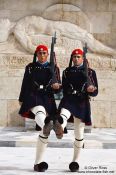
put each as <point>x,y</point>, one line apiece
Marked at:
<point>20,103</point>
<point>56,86</point>
<point>91,88</point>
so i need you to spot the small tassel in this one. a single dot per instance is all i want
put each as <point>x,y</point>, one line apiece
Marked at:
<point>34,57</point>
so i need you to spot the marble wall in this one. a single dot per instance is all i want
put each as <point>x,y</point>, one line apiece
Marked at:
<point>96,16</point>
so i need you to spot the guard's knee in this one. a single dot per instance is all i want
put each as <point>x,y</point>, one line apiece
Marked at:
<point>79,143</point>
<point>43,138</point>
<point>65,114</point>
<point>40,115</point>
<point>38,109</point>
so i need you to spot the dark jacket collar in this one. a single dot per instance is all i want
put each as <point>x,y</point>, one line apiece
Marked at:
<point>78,67</point>
<point>42,65</point>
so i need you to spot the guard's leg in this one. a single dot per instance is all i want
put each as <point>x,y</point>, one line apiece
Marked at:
<point>61,123</point>
<point>42,142</point>
<point>48,126</point>
<point>65,115</point>
<point>40,115</point>
<point>78,143</point>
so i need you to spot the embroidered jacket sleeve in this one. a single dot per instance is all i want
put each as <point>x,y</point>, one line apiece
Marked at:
<point>65,82</point>
<point>25,88</point>
<point>93,78</point>
<point>57,73</point>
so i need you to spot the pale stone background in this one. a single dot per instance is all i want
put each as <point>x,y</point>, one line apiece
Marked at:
<point>96,16</point>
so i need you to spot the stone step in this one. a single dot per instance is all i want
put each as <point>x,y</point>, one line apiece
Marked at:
<point>20,137</point>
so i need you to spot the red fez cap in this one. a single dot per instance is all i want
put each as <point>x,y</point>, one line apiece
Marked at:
<point>41,48</point>
<point>77,51</point>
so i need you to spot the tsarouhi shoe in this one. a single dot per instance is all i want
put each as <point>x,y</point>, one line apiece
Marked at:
<point>48,126</point>
<point>57,127</point>
<point>74,166</point>
<point>41,167</point>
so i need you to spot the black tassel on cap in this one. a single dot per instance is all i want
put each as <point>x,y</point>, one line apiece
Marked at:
<point>34,57</point>
<point>70,63</point>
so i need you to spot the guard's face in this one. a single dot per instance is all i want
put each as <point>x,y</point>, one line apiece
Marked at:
<point>77,59</point>
<point>42,56</point>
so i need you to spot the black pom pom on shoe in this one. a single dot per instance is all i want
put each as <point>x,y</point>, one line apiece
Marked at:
<point>41,167</point>
<point>73,166</point>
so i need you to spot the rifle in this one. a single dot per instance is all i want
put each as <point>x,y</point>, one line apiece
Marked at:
<point>85,63</point>
<point>70,63</point>
<point>52,59</point>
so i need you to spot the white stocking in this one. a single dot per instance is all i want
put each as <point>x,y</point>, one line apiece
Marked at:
<point>65,114</point>
<point>40,115</point>
<point>41,147</point>
<point>79,136</point>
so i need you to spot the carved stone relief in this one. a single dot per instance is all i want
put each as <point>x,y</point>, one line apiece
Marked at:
<point>33,30</point>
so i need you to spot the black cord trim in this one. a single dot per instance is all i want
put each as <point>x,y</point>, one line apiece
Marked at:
<point>79,139</point>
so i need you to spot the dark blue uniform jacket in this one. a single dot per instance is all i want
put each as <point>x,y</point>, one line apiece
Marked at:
<point>75,96</point>
<point>36,89</point>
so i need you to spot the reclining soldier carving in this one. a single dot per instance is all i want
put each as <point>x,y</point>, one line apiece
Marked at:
<point>30,28</point>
